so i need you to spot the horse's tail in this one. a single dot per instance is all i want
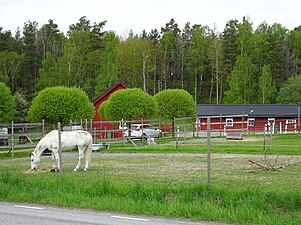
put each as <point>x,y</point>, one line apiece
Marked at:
<point>89,150</point>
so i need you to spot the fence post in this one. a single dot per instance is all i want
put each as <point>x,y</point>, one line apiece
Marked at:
<point>12,138</point>
<point>208,152</point>
<point>177,139</point>
<point>43,127</point>
<point>299,128</point>
<point>184,136</point>
<point>59,148</point>
<point>122,130</point>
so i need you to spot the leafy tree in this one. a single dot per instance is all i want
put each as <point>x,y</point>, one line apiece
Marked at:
<point>242,86</point>
<point>61,104</point>
<point>229,51</point>
<point>290,93</point>
<point>102,110</point>
<point>277,53</point>
<point>49,39</point>
<point>48,74</point>
<point>130,104</point>
<point>267,87</point>
<point>10,63</point>
<point>32,59</point>
<point>168,53</point>
<point>7,104</point>
<point>7,42</point>
<point>295,45</point>
<point>198,51</point>
<point>108,63</point>
<point>21,106</point>
<point>215,54</point>
<point>175,103</point>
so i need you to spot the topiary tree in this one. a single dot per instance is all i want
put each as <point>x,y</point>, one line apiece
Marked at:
<point>129,104</point>
<point>175,103</point>
<point>61,104</point>
<point>7,104</point>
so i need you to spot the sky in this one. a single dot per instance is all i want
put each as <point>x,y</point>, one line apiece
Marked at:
<point>125,15</point>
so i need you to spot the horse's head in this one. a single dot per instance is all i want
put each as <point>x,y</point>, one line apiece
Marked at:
<point>34,161</point>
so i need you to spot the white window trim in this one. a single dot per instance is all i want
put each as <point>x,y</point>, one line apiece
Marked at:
<point>229,122</point>
<point>251,122</point>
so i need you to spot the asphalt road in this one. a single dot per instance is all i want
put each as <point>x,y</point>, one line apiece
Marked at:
<point>28,214</point>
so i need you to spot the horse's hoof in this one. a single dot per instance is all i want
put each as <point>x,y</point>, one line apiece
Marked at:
<point>74,170</point>
<point>52,170</point>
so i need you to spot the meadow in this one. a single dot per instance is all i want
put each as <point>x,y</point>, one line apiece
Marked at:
<point>162,181</point>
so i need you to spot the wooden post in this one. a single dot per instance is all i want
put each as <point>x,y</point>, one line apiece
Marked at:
<point>177,139</point>
<point>59,148</point>
<point>208,153</point>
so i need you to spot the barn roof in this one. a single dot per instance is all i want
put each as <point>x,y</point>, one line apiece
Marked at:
<point>109,90</point>
<point>251,110</point>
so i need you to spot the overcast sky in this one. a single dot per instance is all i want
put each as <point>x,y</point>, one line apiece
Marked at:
<point>123,15</point>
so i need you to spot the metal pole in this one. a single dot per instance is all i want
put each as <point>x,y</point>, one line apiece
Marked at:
<point>12,138</point>
<point>242,121</point>
<point>59,148</point>
<point>220,125</point>
<point>299,128</point>
<point>43,127</point>
<point>177,139</point>
<point>208,153</point>
<point>271,134</point>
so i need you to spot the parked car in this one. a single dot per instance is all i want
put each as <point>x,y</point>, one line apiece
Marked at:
<point>143,131</point>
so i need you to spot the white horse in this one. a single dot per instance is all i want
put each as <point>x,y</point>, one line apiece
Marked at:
<point>69,140</point>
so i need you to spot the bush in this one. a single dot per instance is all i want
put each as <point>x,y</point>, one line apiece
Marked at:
<point>129,104</point>
<point>61,104</point>
<point>175,103</point>
<point>7,104</point>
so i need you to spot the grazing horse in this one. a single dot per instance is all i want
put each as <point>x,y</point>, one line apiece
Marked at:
<point>82,140</point>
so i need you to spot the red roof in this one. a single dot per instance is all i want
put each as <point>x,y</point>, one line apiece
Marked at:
<point>110,91</point>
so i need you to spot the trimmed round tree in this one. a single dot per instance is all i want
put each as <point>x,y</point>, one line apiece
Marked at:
<point>129,104</point>
<point>175,103</point>
<point>7,104</point>
<point>61,104</point>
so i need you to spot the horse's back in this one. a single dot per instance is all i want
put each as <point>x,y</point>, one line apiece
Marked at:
<point>69,139</point>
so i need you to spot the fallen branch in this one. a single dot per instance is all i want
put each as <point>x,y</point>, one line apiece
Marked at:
<point>269,167</point>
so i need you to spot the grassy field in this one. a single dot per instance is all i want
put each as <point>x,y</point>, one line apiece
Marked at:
<point>157,180</point>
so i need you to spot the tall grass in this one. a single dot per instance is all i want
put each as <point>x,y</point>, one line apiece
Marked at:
<point>193,201</point>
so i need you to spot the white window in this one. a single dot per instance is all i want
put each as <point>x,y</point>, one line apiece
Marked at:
<point>229,122</point>
<point>291,122</point>
<point>251,122</point>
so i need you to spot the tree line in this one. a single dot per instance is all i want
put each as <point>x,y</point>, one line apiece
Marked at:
<point>239,65</point>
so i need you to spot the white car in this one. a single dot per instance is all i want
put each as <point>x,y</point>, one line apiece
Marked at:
<point>143,131</point>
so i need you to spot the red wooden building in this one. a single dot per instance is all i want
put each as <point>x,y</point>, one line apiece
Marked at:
<point>250,118</point>
<point>103,127</point>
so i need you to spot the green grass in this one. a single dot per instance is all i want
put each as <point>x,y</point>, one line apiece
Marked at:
<point>159,182</point>
<point>194,201</point>
<point>289,144</point>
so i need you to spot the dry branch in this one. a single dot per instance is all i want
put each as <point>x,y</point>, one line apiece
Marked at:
<point>269,167</point>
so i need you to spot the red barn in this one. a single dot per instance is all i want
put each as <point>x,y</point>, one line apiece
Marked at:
<point>250,118</point>
<point>102,125</point>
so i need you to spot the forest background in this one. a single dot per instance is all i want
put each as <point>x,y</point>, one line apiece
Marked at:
<point>240,65</point>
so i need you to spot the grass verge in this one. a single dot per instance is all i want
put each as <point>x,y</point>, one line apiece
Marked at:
<point>194,201</point>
